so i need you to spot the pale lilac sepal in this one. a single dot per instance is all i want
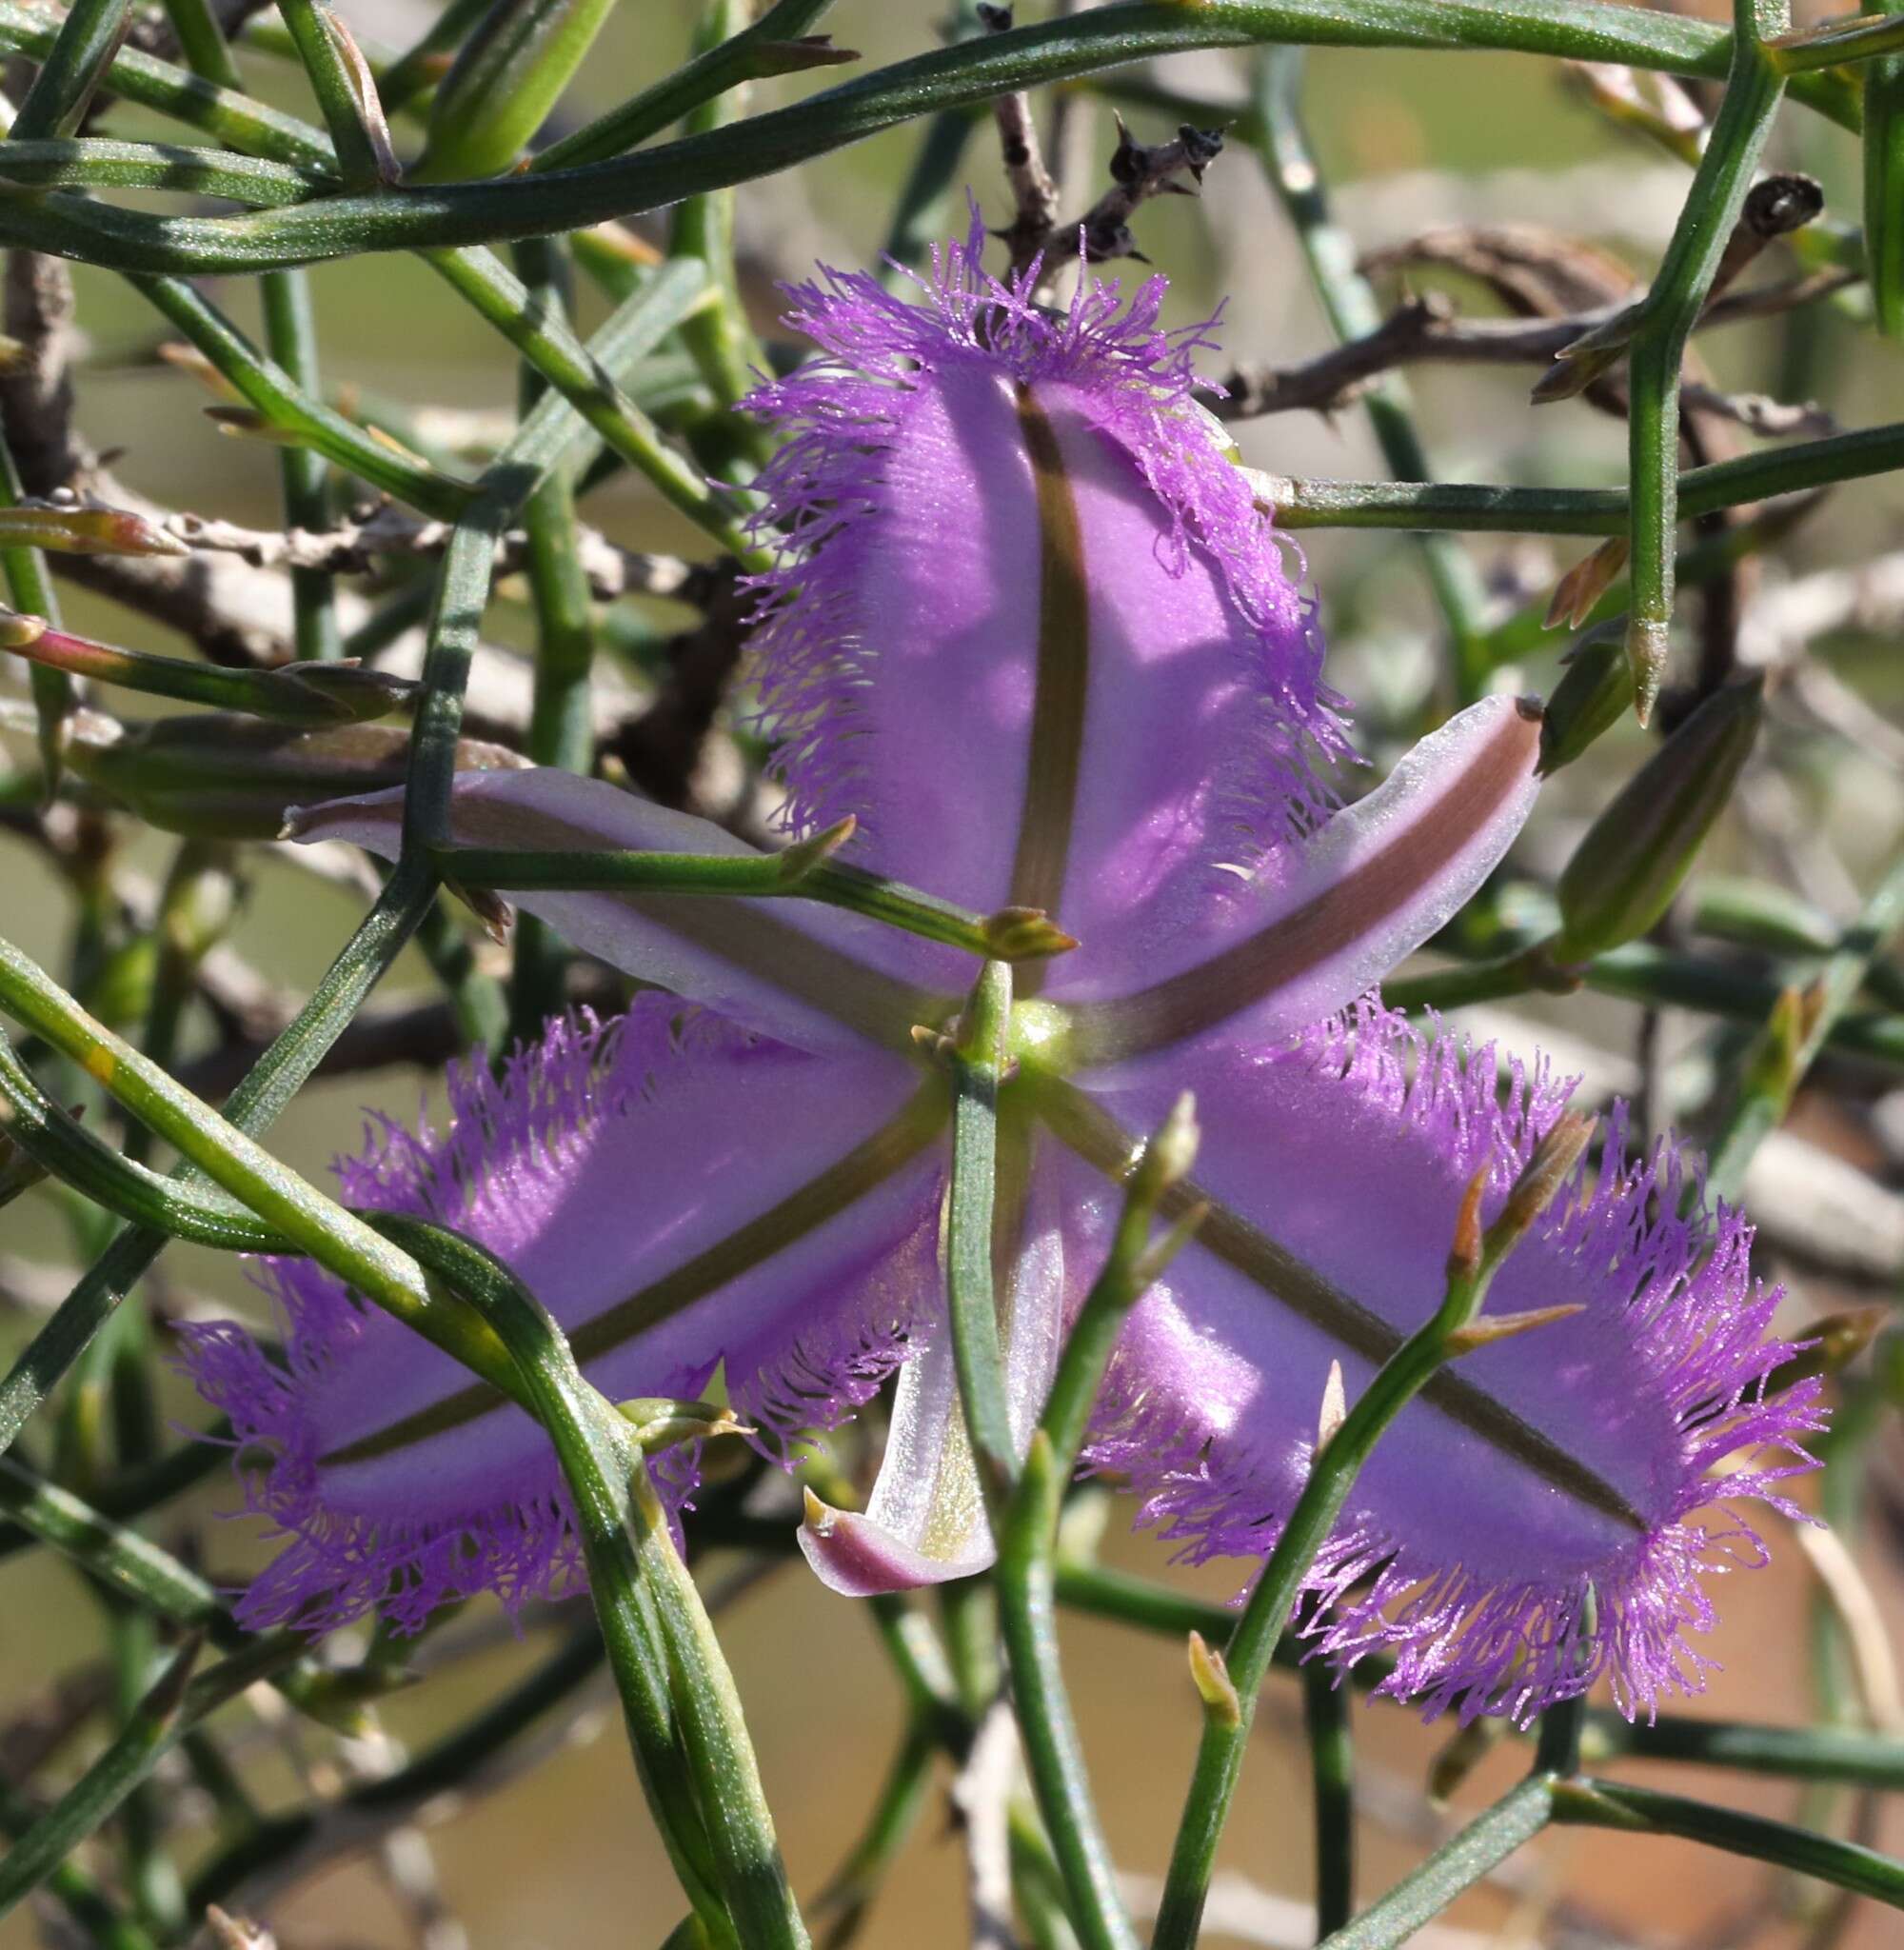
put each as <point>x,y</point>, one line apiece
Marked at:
<point>673,941</point>
<point>1323,921</point>
<point>925,1520</point>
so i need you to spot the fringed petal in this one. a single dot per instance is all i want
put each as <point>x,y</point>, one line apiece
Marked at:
<point>1030,627</point>
<point>681,1197</point>
<point>809,975</point>
<point>1468,1566</point>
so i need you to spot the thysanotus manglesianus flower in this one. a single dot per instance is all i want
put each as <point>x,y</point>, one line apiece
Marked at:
<point>1031,633</point>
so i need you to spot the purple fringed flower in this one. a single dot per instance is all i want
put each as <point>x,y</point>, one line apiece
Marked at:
<point>1031,632</point>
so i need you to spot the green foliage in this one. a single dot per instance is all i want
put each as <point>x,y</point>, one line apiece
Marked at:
<point>506,203</point>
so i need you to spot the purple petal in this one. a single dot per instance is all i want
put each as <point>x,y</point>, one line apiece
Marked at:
<point>812,975</point>
<point>605,1164</point>
<point>1351,1151</point>
<point>1336,915</point>
<point>1032,629</point>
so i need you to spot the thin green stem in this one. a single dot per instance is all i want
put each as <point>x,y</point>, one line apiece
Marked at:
<point>202,42</point>
<point>1791,469</point>
<point>55,694</point>
<point>101,163</point>
<point>1797,1034</point>
<point>342,86</point>
<point>1754,86</point>
<point>1643,973</point>
<point>72,69</point>
<point>977,1057</point>
<point>1482,1846</point>
<point>1026,1573</point>
<point>314,697</point>
<point>974,72</point>
<point>802,872</point>
<point>749,55</point>
<point>1332,1778</point>
<point>719,337</point>
<point>1352,310</point>
<point>1834,44</point>
<point>1233,1682</point>
<point>416,71</point>
<point>635,1573</point>
<point>561,727</point>
<point>290,336</point>
<point>1643,1810</point>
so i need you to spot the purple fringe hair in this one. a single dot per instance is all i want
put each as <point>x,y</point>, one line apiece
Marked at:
<point>509,1136</point>
<point>824,489</point>
<point>1676,1285</point>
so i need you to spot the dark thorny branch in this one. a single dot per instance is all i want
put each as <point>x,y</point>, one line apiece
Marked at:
<point>1139,171</point>
<point>1560,291</point>
<point>357,544</point>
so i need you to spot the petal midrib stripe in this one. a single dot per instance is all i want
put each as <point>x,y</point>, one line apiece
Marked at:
<point>1285,950</point>
<point>870,1162</point>
<point>1054,747</point>
<point>1098,1138</point>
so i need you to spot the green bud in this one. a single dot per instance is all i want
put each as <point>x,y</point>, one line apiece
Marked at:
<point>659,1421</point>
<point>86,531</point>
<point>222,776</point>
<point>1635,854</point>
<point>309,693</point>
<point>504,83</point>
<point>1593,694</point>
<point>1171,1152</point>
<point>1025,934</point>
<point>1831,1345</point>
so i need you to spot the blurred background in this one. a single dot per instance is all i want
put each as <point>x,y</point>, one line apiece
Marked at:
<point>557,1850</point>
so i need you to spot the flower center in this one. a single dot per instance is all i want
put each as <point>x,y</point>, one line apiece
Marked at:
<point>1039,1040</point>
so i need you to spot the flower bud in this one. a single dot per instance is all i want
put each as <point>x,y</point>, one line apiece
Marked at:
<point>307,693</point>
<point>659,1421</point>
<point>1593,694</point>
<point>1635,854</point>
<point>1168,1156</point>
<point>86,531</point>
